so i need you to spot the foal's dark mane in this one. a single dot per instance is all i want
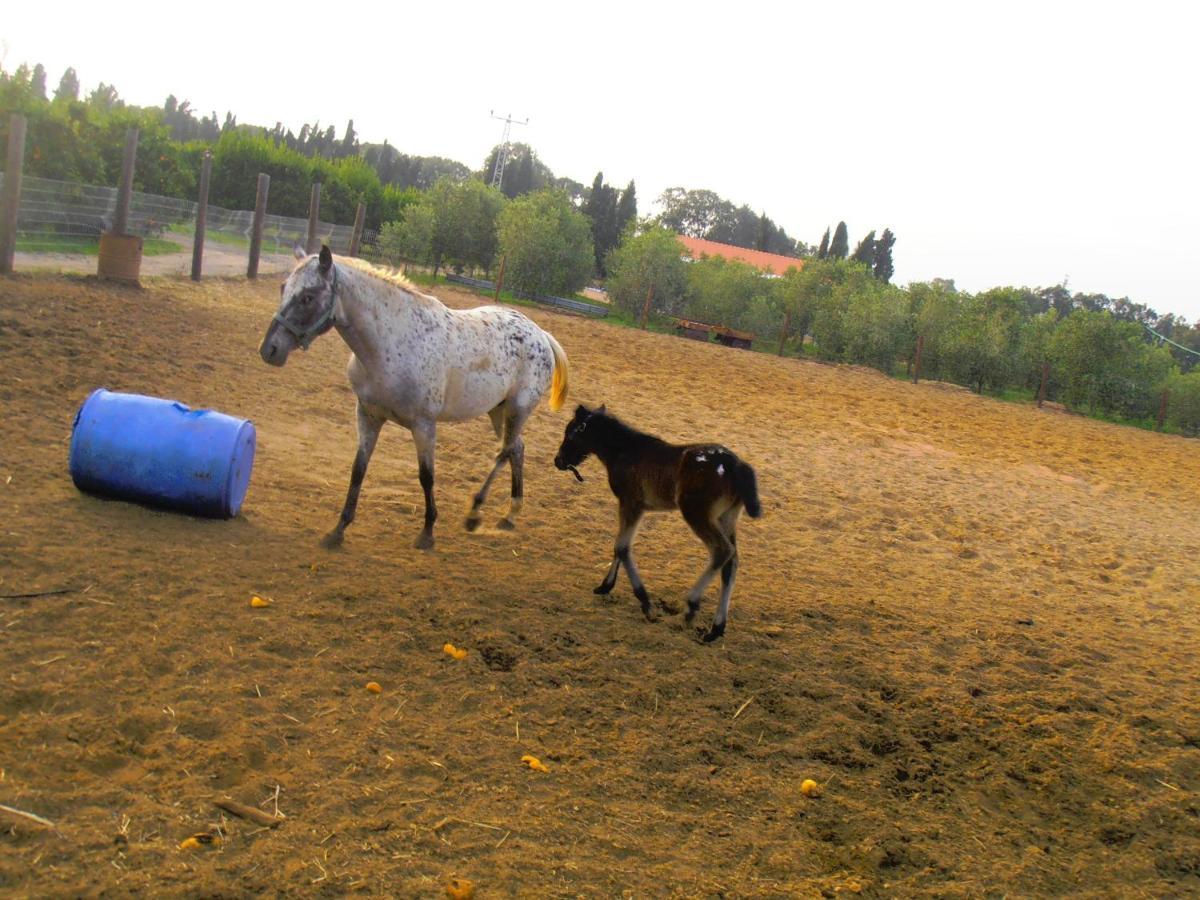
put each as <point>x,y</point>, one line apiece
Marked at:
<point>608,437</point>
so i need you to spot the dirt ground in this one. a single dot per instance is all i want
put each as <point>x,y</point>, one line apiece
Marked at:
<point>974,624</point>
<point>219,260</point>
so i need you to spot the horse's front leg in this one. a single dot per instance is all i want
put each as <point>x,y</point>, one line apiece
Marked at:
<point>425,437</point>
<point>368,434</point>
<point>631,517</point>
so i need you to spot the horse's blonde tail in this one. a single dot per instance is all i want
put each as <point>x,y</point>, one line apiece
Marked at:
<point>559,381</point>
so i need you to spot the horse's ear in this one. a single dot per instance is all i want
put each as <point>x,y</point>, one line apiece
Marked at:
<point>298,251</point>
<point>580,411</point>
<point>601,410</point>
<point>326,259</point>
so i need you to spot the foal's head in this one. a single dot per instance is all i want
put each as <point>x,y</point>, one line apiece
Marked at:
<point>306,305</point>
<point>578,442</point>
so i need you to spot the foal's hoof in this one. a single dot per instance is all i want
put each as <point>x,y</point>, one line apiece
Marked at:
<point>506,524</point>
<point>333,540</point>
<point>603,588</point>
<point>713,634</point>
<point>424,541</point>
<point>472,523</point>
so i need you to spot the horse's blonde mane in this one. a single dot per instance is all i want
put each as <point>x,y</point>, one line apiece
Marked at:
<point>383,273</point>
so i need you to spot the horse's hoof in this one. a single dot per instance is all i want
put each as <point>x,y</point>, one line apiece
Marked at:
<point>424,541</point>
<point>506,524</point>
<point>691,614</point>
<point>333,540</point>
<point>713,634</point>
<point>472,523</point>
<point>602,588</point>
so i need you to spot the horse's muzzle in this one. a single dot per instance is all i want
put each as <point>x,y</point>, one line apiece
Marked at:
<point>563,466</point>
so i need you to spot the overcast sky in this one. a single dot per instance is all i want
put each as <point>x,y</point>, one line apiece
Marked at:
<point>1007,143</point>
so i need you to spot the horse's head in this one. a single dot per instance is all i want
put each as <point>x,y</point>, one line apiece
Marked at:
<point>577,443</point>
<point>306,307</point>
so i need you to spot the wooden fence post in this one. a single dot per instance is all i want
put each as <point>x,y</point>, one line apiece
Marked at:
<point>1163,398</point>
<point>12,191</point>
<point>917,359</point>
<point>499,280</point>
<point>201,216</point>
<point>1045,383</point>
<point>256,229</point>
<point>360,216</point>
<point>314,207</point>
<point>125,189</point>
<point>787,321</point>
<point>646,307</point>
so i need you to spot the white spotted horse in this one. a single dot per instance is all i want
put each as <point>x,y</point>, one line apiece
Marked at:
<point>707,483</point>
<point>416,362</point>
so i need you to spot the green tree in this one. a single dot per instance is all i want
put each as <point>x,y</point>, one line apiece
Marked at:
<point>601,208</point>
<point>547,244</point>
<point>409,240</point>
<point>823,249</point>
<point>884,269</point>
<point>37,82</point>
<point>1183,407</point>
<point>68,87</point>
<point>465,217</point>
<point>839,247</point>
<point>1106,365</point>
<point>865,251</point>
<point>627,208</point>
<point>651,257</point>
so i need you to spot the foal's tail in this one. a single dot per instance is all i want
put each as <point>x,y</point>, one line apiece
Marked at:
<point>558,384</point>
<point>745,483</point>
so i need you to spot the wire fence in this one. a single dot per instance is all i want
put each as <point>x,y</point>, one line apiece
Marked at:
<point>66,217</point>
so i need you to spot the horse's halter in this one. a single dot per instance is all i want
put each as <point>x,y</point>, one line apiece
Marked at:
<point>573,435</point>
<point>305,337</point>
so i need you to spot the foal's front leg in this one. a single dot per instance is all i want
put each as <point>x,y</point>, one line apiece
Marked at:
<point>368,434</point>
<point>631,517</point>
<point>425,437</point>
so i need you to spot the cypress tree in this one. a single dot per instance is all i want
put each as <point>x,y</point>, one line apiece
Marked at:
<point>883,256</point>
<point>627,207</point>
<point>839,248</point>
<point>865,251</point>
<point>68,87</point>
<point>823,250</point>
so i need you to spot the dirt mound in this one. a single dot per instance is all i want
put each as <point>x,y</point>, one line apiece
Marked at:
<point>972,624</point>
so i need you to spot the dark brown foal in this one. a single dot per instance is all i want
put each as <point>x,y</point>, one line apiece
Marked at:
<point>707,483</point>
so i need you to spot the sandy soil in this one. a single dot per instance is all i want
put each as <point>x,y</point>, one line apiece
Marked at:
<point>973,623</point>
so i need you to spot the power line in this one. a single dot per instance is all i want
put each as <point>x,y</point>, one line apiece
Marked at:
<point>1163,337</point>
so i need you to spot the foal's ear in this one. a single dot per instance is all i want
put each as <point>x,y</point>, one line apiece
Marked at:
<point>325,260</point>
<point>602,409</point>
<point>580,411</point>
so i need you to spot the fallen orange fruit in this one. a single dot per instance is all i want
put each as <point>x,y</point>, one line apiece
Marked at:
<point>460,889</point>
<point>810,788</point>
<point>451,650</point>
<point>534,763</point>
<point>196,841</point>
<point>374,688</point>
<point>258,602</point>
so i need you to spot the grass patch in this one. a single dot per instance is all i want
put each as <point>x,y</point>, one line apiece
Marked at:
<point>89,246</point>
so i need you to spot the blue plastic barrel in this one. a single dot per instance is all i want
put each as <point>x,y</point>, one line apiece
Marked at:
<point>163,453</point>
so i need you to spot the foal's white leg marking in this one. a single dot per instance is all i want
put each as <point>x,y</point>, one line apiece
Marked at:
<point>728,526</point>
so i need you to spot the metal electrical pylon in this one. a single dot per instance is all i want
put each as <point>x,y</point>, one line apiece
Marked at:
<point>502,156</point>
